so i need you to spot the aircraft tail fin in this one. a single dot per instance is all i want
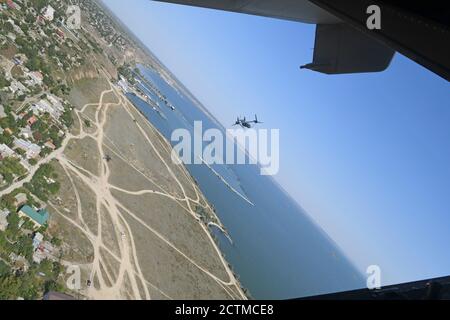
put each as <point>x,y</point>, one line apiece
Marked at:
<point>340,48</point>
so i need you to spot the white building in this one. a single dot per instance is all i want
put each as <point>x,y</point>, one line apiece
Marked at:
<point>6,151</point>
<point>49,13</point>
<point>18,87</point>
<point>32,150</point>
<point>36,77</point>
<point>55,102</point>
<point>123,84</point>
<point>26,132</point>
<point>50,105</point>
<point>37,239</point>
<point>40,107</point>
<point>45,250</point>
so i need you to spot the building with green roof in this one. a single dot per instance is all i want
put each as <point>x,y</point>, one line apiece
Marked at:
<point>39,218</point>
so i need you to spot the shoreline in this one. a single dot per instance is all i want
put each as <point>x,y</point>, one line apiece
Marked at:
<point>225,263</point>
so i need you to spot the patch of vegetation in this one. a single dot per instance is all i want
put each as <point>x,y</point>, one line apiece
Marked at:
<point>42,131</point>
<point>8,201</point>
<point>39,4</point>
<point>126,72</point>
<point>3,82</point>
<point>40,184</point>
<point>40,278</point>
<point>67,117</point>
<point>10,167</point>
<point>6,139</point>
<point>16,72</point>
<point>9,122</point>
<point>6,27</point>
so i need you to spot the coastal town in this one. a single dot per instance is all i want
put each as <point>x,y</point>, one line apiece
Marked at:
<point>36,50</point>
<point>34,119</point>
<point>64,171</point>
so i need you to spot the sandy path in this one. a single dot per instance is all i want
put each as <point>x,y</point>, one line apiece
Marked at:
<point>129,267</point>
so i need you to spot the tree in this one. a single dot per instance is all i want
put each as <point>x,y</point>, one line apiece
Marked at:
<point>54,187</point>
<point>24,247</point>
<point>39,4</point>
<point>4,269</point>
<point>6,139</point>
<point>3,81</point>
<point>56,241</point>
<point>30,18</point>
<point>34,63</point>
<point>9,286</point>
<point>8,201</point>
<point>67,118</point>
<point>7,27</point>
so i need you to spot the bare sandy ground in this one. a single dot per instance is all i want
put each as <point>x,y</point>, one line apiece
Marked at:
<point>131,222</point>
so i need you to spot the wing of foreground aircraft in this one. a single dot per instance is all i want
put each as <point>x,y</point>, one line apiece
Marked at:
<point>344,44</point>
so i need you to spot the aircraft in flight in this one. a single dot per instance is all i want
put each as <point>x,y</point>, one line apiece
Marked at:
<point>246,124</point>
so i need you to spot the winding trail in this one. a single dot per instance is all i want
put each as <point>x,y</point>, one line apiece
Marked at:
<point>129,281</point>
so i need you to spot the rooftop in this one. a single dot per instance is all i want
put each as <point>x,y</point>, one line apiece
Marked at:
<point>40,216</point>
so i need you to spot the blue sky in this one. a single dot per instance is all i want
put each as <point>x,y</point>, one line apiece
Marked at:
<point>367,155</point>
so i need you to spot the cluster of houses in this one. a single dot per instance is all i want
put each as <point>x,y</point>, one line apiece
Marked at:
<point>42,249</point>
<point>23,141</point>
<point>48,13</point>
<point>9,4</point>
<point>50,105</point>
<point>57,36</point>
<point>38,217</point>
<point>6,152</point>
<point>102,23</point>
<point>30,79</point>
<point>123,84</point>
<point>32,150</point>
<point>18,88</point>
